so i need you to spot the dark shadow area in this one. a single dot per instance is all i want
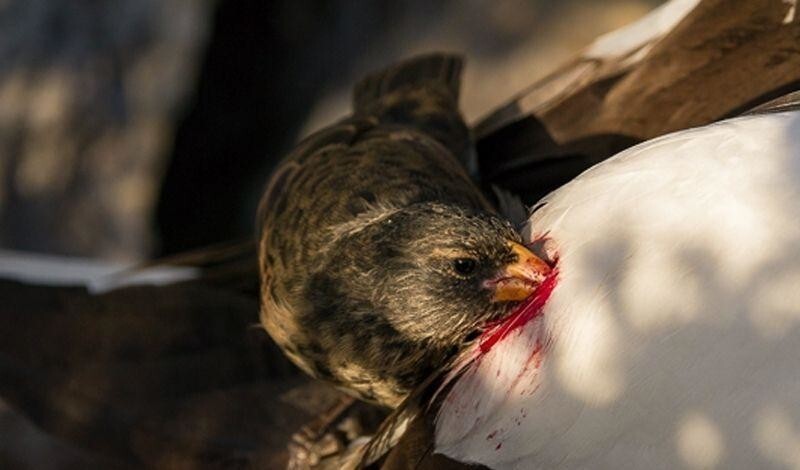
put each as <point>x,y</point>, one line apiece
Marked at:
<point>266,65</point>
<point>523,158</point>
<point>162,377</point>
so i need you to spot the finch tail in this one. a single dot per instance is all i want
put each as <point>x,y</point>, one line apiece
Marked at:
<point>421,93</point>
<point>431,71</point>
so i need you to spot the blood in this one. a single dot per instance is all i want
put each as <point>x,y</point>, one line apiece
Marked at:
<point>528,310</point>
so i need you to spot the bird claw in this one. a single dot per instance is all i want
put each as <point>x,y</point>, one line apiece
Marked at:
<point>308,448</point>
<point>318,444</point>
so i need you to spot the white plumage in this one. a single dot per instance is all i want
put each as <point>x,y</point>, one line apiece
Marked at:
<point>97,276</point>
<point>672,338</point>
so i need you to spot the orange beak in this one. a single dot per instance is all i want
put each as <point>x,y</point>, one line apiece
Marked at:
<point>519,279</point>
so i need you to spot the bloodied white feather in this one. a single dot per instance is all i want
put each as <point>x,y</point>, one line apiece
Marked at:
<point>672,337</point>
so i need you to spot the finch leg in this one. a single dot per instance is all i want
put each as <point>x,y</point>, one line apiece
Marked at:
<point>324,437</point>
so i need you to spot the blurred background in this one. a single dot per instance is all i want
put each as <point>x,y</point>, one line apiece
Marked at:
<point>137,128</point>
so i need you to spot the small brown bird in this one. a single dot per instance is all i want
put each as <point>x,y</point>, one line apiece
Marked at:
<point>378,254</point>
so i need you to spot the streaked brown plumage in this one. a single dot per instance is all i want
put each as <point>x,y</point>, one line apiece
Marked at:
<point>375,245</point>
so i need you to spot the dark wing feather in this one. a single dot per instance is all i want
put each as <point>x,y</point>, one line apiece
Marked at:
<point>716,63</point>
<point>787,102</point>
<point>160,376</point>
<point>405,439</point>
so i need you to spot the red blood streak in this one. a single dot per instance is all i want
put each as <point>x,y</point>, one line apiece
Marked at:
<point>526,311</point>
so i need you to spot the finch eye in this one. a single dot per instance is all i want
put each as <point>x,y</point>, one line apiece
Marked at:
<point>465,266</point>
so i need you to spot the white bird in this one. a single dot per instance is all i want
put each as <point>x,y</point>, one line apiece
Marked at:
<point>669,334</point>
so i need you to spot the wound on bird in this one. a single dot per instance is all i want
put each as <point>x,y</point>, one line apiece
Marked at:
<point>525,311</point>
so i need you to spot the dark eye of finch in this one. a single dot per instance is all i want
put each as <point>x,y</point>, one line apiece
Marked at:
<point>465,266</point>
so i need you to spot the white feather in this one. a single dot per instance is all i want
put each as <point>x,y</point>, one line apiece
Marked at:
<point>96,275</point>
<point>675,325</point>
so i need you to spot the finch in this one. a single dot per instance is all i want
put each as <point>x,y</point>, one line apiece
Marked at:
<point>379,257</point>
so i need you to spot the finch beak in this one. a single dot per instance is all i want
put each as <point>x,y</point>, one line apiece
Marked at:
<point>519,279</point>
